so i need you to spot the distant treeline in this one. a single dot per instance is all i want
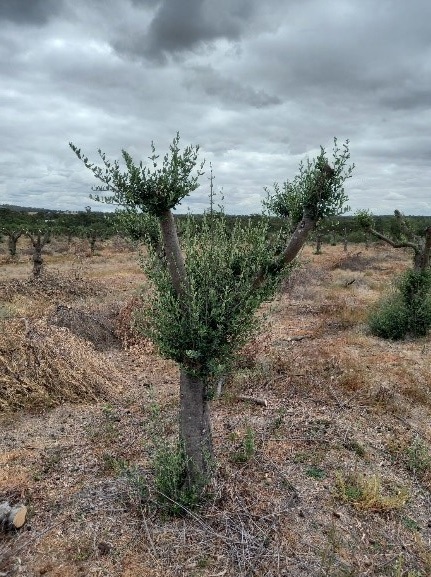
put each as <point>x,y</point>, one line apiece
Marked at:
<point>106,224</point>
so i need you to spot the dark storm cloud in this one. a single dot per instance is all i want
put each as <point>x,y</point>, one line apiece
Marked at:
<point>177,27</point>
<point>35,12</point>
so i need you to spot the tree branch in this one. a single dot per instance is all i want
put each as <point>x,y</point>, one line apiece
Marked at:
<point>401,244</point>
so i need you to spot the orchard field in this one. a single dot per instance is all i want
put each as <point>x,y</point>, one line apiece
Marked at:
<point>324,471</point>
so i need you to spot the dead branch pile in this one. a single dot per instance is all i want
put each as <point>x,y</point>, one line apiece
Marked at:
<point>96,326</point>
<point>42,365</point>
<point>53,286</point>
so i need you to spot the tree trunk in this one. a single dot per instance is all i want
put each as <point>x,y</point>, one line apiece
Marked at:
<point>195,430</point>
<point>422,257</point>
<point>92,240</point>
<point>318,243</point>
<point>12,245</point>
<point>174,256</point>
<point>37,261</point>
<point>12,241</point>
<point>367,241</point>
<point>345,241</point>
<point>38,241</point>
<point>291,251</point>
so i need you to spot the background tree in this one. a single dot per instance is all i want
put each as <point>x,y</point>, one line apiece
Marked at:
<point>209,288</point>
<point>12,239</point>
<point>407,309</point>
<point>405,237</point>
<point>38,239</point>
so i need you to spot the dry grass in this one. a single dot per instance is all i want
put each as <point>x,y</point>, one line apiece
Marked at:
<point>42,366</point>
<point>346,411</point>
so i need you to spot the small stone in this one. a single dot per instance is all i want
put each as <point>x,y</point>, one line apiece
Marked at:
<point>104,548</point>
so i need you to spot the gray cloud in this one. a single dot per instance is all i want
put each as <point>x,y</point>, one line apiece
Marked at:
<point>177,27</point>
<point>227,90</point>
<point>259,85</point>
<point>35,12</point>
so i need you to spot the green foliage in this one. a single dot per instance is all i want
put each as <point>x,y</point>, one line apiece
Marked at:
<point>407,310</point>
<point>389,319</point>
<point>365,219</point>
<point>153,189</point>
<point>247,447</point>
<point>366,493</point>
<point>418,458</point>
<point>139,226</point>
<point>316,191</point>
<point>315,472</point>
<point>203,330</point>
<point>173,495</point>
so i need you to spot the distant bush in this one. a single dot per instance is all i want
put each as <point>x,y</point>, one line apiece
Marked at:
<point>407,310</point>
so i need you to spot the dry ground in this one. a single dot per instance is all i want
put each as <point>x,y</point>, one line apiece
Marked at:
<point>332,478</point>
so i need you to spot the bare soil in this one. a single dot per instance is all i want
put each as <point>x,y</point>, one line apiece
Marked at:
<point>336,478</point>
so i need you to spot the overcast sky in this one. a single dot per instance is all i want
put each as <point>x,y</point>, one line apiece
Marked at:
<point>258,84</point>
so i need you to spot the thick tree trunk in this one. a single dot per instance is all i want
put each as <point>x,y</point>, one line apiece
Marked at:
<point>37,262</point>
<point>38,241</point>
<point>195,430</point>
<point>12,241</point>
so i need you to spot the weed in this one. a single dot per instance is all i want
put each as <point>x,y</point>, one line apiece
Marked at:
<point>80,549</point>
<point>247,448</point>
<point>398,569</point>
<point>278,421</point>
<point>417,457</point>
<point>365,493</point>
<point>410,524</point>
<point>174,495</point>
<point>5,312</point>
<point>407,310</point>
<point>114,464</point>
<point>330,563</point>
<point>302,457</point>
<point>315,473</point>
<point>354,446</point>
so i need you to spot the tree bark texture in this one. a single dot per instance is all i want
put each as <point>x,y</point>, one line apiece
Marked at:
<point>174,256</point>
<point>422,258</point>
<point>12,241</point>
<point>38,241</point>
<point>291,251</point>
<point>195,429</point>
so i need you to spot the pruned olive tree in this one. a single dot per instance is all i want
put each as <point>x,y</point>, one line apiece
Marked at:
<point>210,286</point>
<point>38,239</point>
<point>12,238</point>
<point>406,237</point>
<point>407,309</point>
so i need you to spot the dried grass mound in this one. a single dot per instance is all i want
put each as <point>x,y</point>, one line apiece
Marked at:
<point>53,286</point>
<point>42,365</point>
<point>96,326</point>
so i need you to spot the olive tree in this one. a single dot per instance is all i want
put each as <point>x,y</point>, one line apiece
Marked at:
<point>407,309</point>
<point>211,284</point>
<point>406,237</point>
<point>38,239</point>
<point>13,235</point>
